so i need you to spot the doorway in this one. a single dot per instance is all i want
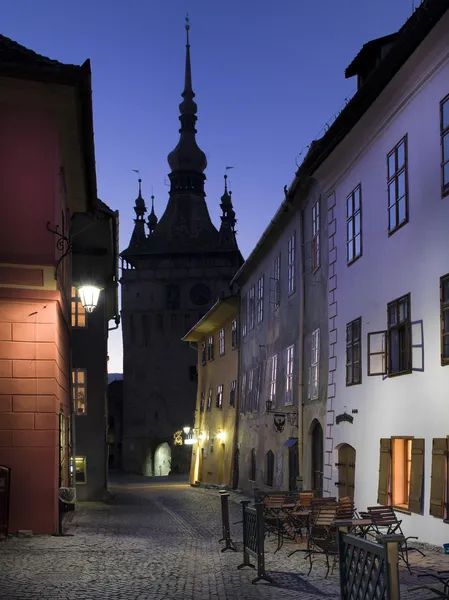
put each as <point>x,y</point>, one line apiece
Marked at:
<point>346,472</point>
<point>293,466</point>
<point>317,458</point>
<point>162,460</point>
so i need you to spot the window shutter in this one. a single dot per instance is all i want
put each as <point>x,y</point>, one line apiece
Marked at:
<point>384,471</point>
<point>439,458</point>
<point>416,477</point>
<point>377,353</point>
<point>309,391</point>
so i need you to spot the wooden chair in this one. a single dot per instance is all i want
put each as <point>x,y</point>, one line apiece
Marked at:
<point>346,509</point>
<point>385,522</point>
<point>322,538</point>
<point>305,499</point>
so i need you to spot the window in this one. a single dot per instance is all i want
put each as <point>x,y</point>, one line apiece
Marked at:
<point>232,392</point>
<point>243,402</point>
<point>260,283</point>
<point>252,307</point>
<point>289,376</point>
<point>269,468</point>
<point>401,473</point>
<point>397,186</point>
<point>439,495</point>
<point>316,235</point>
<point>220,396</point>
<point>252,466</point>
<point>291,264</point>
<point>444,304</point>
<point>353,353</point>
<point>210,348</point>
<point>315,365</point>
<point>244,315</point>
<point>202,402</point>
<point>354,225</point>
<point>444,128</point>
<point>399,336</point>
<point>273,378</point>
<point>249,391</point>
<point>277,281</point>
<point>79,377</point>
<point>212,440</point>
<point>80,469</point>
<point>221,342</point>
<point>209,399</point>
<point>234,334</point>
<point>203,353</point>
<point>79,317</point>
<point>256,390</point>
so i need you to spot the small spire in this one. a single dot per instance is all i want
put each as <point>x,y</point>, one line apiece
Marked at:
<point>140,188</point>
<point>140,208</point>
<point>152,218</point>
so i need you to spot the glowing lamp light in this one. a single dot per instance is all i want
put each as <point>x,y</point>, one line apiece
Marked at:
<point>202,436</point>
<point>89,295</point>
<point>186,430</point>
<point>221,435</point>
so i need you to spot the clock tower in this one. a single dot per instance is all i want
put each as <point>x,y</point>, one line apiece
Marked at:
<point>171,276</point>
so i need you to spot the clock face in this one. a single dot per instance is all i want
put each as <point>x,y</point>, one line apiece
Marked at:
<point>200,294</point>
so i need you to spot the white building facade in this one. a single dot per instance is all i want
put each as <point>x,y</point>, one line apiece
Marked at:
<point>387,186</point>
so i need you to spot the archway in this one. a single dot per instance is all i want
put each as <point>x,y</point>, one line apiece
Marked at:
<point>162,460</point>
<point>317,458</point>
<point>346,471</point>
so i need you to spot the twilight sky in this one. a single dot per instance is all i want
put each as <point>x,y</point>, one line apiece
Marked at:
<point>267,76</point>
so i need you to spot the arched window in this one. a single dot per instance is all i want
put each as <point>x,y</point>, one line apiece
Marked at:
<point>269,468</point>
<point>252,466</point>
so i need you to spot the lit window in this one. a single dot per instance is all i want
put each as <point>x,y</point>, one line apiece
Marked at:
<point>209,399</point>
<point>80,469</point>
<point>210,348</point>
<point>79,390</point>
<point>234,334</point>
<point>260,286</point>
<point>402,464</point>
<point>315,365</point>
<point>354,225</point>
<point>289,376</point>
<point>291,264</point>
<point>397,186</point>
<point>79,318</point>
<point>273,378</point>
<point>316,235</point>
<point>202,399</point>
<point>444,128</point>
<point>232,393</point>
<point>353,354</point>
<point>252,307</point>
<point>220,396</point>
<point>221,342</point>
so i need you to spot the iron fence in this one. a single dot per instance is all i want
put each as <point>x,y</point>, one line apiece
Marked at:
<point>226,529</point>
<point>368,570</point>
<point>254,539</point>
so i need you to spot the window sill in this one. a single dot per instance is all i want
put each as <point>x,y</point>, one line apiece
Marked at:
<point>399,373</point>
<point>351,262</point>
<point>444,193</point>
<point>402,509</point>
<point>354,383</point>
<point>390,233</point>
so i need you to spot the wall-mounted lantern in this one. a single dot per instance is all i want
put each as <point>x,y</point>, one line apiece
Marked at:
<point>221,436</point>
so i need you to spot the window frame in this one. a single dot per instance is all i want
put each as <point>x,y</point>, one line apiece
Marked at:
<point>315,365</point>
<point>273,379</point>
<point>249,390</point>
<point>221,342</point>
<point>291,264</point>
<point>232,393</point>
<point>219,400</point>
<point>210,348</point>
<point>252,308</point>
<point>243,394</point>
<point>351,219</point>
<point>444,131</point>
<point>289,373</point>
<point>277,281</point>
<point>244,314</point>
<point>202,401</point>
<point>76,386</point>
<point>209,400</point>
<point>352,344</point>
<point>83,460</point>
<point>315,244</point>
<point>77,309</point>
<point>203,353</point>
<point>234,334</point>
<point>444,306</point>
<point>407,324</point>
<point>260,299</point>
<point>394,178</point>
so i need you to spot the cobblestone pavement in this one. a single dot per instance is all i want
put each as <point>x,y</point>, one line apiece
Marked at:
<point>158,540</point>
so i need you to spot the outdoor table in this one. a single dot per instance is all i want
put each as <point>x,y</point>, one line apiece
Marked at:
<point>276,512</point>
<point>352,525</point>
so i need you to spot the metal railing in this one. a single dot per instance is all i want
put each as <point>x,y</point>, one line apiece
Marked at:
<point>226,529</point>
<point>368,569</point>
<point>253,539</point>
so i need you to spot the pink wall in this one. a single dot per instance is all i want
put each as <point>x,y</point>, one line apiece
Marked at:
<point>29,186</point>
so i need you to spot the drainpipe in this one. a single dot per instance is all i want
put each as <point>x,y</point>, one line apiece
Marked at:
<point>301,349</point>
<point>237,394</point>
<point>117,323</point>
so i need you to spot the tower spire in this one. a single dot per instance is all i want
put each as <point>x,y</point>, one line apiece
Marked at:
<point>187,161</point>
<point>228,220</point>
<point>152,218</point>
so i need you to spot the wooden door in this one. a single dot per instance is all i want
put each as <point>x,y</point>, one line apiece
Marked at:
<point>293,466</point>
<point>346,471</point>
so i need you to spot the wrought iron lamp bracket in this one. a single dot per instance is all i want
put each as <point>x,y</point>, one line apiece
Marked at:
<point>63,244</point>
<point>279,418</point>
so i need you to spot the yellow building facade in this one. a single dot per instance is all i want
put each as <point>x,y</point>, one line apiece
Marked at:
<point>214,433</point>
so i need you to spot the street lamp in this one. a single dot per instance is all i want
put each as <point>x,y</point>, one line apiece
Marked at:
<point>89,295</point>
<point>186,429</point>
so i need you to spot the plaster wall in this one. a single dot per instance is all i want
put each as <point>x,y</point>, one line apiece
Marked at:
<point>411,260</point>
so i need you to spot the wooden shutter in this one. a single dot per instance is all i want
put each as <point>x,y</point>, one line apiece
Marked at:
<point>384,471</point>
<point>416,477</point>
<point>439,459</point>
<point>377,353</point>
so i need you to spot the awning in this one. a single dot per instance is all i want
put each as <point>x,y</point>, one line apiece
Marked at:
<point>290,442</point>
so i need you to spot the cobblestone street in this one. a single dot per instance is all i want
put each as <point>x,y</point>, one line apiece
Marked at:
<point>158,540</point>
